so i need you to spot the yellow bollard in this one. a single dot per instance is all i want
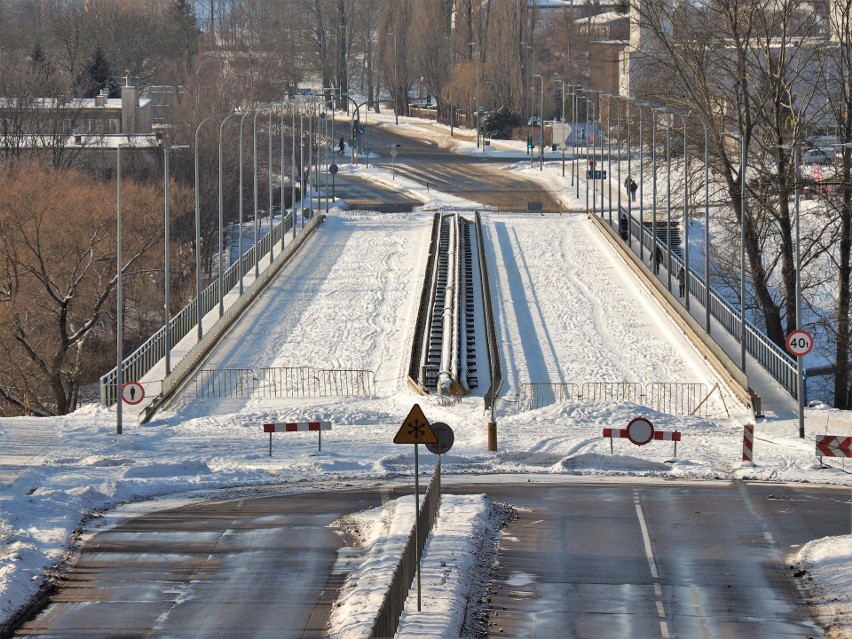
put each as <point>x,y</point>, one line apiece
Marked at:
<point>492,436</point>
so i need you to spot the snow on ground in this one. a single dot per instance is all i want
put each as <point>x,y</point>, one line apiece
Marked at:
<point>567,311</point>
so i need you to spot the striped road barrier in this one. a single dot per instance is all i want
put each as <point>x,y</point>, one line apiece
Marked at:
<point>292,427</point>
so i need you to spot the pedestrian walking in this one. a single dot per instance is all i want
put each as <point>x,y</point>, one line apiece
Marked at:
<point>681,280</point>
<point>658,259</point>
<point>632,188</point>
<point>341,146</point>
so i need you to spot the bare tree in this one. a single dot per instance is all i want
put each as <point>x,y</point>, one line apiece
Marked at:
<point>739,64</point>
<point>57,248</point>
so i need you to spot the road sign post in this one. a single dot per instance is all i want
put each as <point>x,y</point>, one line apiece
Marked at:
<point>393,155</point>
<point>799,344</point>
<point>416,430</point>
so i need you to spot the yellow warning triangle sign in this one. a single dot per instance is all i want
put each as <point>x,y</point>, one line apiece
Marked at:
<point>415,429</point>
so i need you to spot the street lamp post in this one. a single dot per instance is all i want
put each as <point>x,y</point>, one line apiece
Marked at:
<point>654,248</point>
<point>256,195</point>
<point>641,188</point>
<point>452,103</point>
<point>476,115</point>
<point>588,164</point>
<point>395,83</point>
<point>222,216</point>
<point>743,204</point>
<point>669,122</point>
<point>541,126</point>
<point>577,98</point>
<point>198,305</point>
<point>743,210</point>
<point>240,248</point>
<point>800,377</point>
<point>119,302</point>
<point>609,158</point>
<point>706,226</point>
<point>167,295</point>
<point>685,212</point>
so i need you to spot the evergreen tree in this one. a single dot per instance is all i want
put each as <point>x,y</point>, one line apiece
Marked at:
<point>98,74</point>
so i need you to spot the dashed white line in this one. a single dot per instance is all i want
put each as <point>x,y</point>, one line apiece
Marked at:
<point>649,554</point>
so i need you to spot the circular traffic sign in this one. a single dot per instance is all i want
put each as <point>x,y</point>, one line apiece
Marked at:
<point>640,431</point>
<point>132,393</point>
<point>799,343</point>
<point>445,436</point>
<point>332,169</point>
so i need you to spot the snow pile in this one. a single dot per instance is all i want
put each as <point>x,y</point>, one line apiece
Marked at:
<point>455,561</point>
<point>824,566</point>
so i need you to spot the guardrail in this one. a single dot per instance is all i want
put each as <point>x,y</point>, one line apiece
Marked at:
<point>494,366</point>
<point>773,358</point>
<point>144,358</point>
<point>387,618</point>
<point>297,381</point>
<point>674,398</point>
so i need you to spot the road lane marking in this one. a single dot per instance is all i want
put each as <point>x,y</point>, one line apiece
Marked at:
<point>652,563</point>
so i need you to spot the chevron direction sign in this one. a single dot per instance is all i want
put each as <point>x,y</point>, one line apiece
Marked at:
<point>834,446</point>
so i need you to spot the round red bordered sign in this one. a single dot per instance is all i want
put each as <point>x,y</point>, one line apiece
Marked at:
<point>640,431</point>
<point>799,343</point>
<point>132,393</point>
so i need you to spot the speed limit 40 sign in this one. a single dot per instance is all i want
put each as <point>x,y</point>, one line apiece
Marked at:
<point>799,343</point>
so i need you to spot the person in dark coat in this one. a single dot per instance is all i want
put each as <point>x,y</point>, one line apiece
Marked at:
<point>632,188</point>
<point>681,280</point>
<point>658,259</point>
<point>341,146</point>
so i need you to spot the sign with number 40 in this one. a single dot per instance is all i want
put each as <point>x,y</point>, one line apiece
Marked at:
<point>799,343</point>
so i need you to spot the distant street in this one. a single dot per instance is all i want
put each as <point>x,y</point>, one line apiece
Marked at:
<point>480,179</point>
<point>692,560</point>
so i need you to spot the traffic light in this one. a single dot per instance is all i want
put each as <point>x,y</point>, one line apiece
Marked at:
<point>558,94</point>
<point>354,129</point>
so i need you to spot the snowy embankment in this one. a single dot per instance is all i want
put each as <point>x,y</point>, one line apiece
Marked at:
<point>567,311</point>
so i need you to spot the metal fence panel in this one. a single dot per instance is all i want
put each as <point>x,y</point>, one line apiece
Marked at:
<point>283,382</point>
<point>675,398</point>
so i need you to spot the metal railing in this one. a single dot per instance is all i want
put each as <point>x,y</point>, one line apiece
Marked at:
<point>279,382</point>
<point>494,367</point>
<point>144,358</point>
<point>673,398</point>
<point>387,619</point>
<point>773,358</point>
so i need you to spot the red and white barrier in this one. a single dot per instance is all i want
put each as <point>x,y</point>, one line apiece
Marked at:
<point>748,442</point>
<point>659,435</point>
<point>293,427</point>
<point>833,446</point>
<point>641,431</point>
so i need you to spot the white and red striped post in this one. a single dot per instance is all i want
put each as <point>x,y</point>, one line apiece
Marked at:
<point>748,442</point>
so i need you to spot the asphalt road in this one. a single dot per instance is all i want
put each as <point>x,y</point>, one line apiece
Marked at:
<point>480,179</point>
<point>646,561</point>
<point>642,560</point>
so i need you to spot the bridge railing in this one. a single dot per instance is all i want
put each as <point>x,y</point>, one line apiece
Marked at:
<point>773,358</point>
<point>386,621</point>
<point>143,359</point>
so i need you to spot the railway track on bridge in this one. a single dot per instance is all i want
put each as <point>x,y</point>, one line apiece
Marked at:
<point>454,351</point>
